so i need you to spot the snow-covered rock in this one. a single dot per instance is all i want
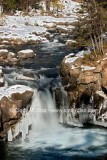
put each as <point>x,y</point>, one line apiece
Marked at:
<point>28,53</point>
<point>12,101</point>
<point>50,25</point>
<point>69,43</point>
<point>62,29</point>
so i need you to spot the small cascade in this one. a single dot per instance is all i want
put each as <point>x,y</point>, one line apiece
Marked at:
<point>43,108</point>
<point>64,117</point>
<point>42,115</point>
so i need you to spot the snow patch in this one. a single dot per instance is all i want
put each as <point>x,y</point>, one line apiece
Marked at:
<point>84,68</point>
<point>4,91</point>
<point>71,60</point>
<point>26,51</point>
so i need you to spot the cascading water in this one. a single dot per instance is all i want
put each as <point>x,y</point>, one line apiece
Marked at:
<point>42,115</point>
<point>47,139</point>
<point>43,110</point>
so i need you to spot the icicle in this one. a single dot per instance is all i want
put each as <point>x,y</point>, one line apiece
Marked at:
<point>10,137</point>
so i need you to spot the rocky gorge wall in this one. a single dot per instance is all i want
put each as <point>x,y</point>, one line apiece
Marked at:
<point>86,87</point>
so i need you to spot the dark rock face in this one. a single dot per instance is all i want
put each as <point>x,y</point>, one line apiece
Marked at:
<point>11,108</point>
<point>86,88</point>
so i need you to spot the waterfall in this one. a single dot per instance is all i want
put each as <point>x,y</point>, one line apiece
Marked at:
<point>43,109</point>
<point>42,115</point>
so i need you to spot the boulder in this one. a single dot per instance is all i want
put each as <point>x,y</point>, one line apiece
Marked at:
<point>50,25</point>
<point>3,53</point>
<point>24,97</point>
<point>69,43</point>
<point>12,60</point>
<point>9,108</point>
<point>12,101</point>
<point>28,53</point>
<point>31,75</point>
<point>62,29</point>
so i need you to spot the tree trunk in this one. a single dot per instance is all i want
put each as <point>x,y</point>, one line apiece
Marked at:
<point>48,6</point>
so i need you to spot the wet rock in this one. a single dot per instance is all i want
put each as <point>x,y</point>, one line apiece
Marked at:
<point>31,75</point>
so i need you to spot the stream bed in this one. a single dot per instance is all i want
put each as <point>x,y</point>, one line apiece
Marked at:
<point>46,140</point>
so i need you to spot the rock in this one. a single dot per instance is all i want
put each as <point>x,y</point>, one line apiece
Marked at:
<point>3,53</point>
<point>9,109</point>
<point>22,77</point>
<point>47,35</point>
<point>24,97</point>
<point>104,77</point>
<point>12,101</point>
<point>87,77</point>
<point>12,60</point>
<point>69,43</point>
<point>11,55</point>
<point>5,42</point>
<point>83,82</point>
<point>50,25</point>
<point>51,30</point>
<point>62,29</point>
<point>28,53</point>
<point>31,75</point>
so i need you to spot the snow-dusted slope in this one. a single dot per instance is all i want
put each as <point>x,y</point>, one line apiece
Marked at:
<point>21,29</point>
<point>69,7</point>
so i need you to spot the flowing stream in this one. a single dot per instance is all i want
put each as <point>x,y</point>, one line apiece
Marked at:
<point>48,139</point>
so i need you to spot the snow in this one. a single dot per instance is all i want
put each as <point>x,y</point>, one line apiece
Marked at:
<point>28,28</point>
<point>102,59</point>
<point>101,93</point>
<point>72,57</point>
<point>69,7</point>
<point>11,53</point>
<point>21,77</point>
<point>87,67</point>
<point>3,51</point>
<point>32,28</point>
<point>71,60</point>
<point>4,91</point>
<point>1,70</point>
<point>62,27</point>
<point>1,79</point>
<point>24,28</point>
<point>26,51</point>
